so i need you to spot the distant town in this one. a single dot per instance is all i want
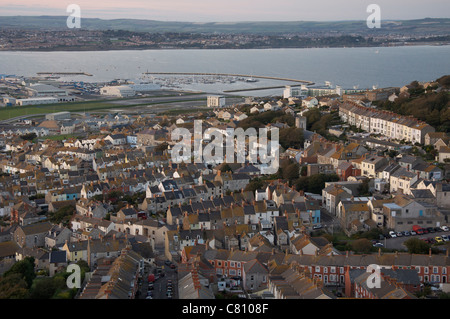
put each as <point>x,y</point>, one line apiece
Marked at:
<point>94,40</point>
<point>87,179</point>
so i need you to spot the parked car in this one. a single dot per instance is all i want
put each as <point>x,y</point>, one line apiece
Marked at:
<point>437,229</point>
<point>445,237</point>
<point>431,240</point>
<point>399,234</point>
<point>445,228</point>
<point>406,233</point>
<point>318,226</point>
<point>431,230</point>
<point>413,233</point>
<point>378,245</point>
<point>425,231</point>
<point>393,234</point>
<point>438,239</point>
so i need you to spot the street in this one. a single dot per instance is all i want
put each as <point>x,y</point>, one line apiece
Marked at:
<point>160,284</point>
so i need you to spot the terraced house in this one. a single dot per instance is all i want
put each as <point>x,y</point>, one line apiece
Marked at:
<point>386,123</point>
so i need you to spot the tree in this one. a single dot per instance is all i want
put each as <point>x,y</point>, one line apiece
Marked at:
<point>363,189</point>
<point>225,168</point>
<point>291,172</point>
<point>291,137</point>
<point>417,246</point>
<point>13,287</point>
<point>62,215</point>
<point>362,245</point>
<point>161,147</point>
<point>28,137</point>
<point>43,288</point>
<point>254,184</point>
<point>24,268</point>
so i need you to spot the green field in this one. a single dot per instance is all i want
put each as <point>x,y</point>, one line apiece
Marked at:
<point>15,111</point>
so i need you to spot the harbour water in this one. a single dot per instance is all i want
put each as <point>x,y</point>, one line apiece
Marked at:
<point>346,67</point>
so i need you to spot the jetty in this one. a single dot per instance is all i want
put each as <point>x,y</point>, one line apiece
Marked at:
<point>64,73</point>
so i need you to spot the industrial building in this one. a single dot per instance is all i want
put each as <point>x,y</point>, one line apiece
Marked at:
<point>36,101</point>
<point>118,91</point>
<point>41,90</point>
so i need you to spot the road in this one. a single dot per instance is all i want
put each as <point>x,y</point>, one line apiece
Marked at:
<point>160,284</point>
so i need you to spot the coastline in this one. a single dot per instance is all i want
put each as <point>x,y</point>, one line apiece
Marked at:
<point>96,49</point>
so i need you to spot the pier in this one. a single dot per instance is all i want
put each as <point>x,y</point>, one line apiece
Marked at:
<point>259,88</point>
<point>64,73</point>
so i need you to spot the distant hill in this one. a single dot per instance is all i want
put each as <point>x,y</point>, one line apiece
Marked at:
<point>427,26</point>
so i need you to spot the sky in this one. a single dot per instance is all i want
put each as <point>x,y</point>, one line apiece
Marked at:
<point>232,10</point>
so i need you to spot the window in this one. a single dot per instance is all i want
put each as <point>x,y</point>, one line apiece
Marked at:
<point>332,270</point>
<point>317,269</point>
<point>426,270</point>
<point>435,270</point>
